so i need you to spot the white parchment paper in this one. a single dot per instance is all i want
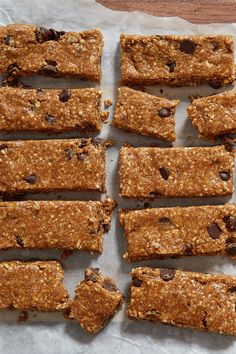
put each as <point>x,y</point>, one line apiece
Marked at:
<point>51,333</point>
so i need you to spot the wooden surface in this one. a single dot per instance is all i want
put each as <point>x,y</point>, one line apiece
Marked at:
<point>192,10</point>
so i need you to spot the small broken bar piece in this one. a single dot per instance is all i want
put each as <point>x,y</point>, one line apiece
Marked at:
<point>160,233</point>
<point>28,50</point>
<point>174,60</point>
<point>148,172</point>
<point>184,299</point>
<point>70,225</point>
<point>51,165</point>
<point>97,300</point>
<point>214,115</point>
<point>50,110</point>
<point>32,285</point>
<point>141,113</point>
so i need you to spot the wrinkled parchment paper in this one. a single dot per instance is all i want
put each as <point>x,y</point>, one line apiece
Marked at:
<point>51,333</point>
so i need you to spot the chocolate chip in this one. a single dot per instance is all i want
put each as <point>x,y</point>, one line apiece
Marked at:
<point>187,46</point>
<point>165,220</point>
<point>19,241</point>
<point>50,119</point>
<point>167,274</point>
<point>82,156</point>
<point>224,175</point>
<point>64,95</point>
<point>106,227</point>
<point>31,179</point>
<point>50,68</point>
<point>230,223</point>
<point>215,84</point>
<point>171,65</point>
<point>137,282</point>
<point>55,35</point>
<point>232,290</point>
<point>109,285</point>
<point>7,39</point>
<point>23,316</point>
<point>97,141</point>
<point>3,146</point>
<point>231,249</point>
<point>43,34</point>
<point>214,231</point>
<point>164,112</point>
<point>92,274</point>
<point>215,45</point>
<point>164,173</point>
<point>69,153</point>
<point>187,249</point>
<point>83,143</point>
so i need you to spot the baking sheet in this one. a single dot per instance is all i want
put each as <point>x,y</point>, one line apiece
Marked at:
<point>51,333</point>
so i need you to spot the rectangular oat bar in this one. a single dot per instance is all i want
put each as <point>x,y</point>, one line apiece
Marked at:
<point>160,233</point>
<point>184,299</point>
<point>214,115</point>
<point>29,50</point>
<point>174,60</point>
<point>50,110</point>
<point>32,285</point>
<point>72,225</point>
<point>50,165</point>
<point>141,113</point>
<point>97,300</point>
<point>148,172</point>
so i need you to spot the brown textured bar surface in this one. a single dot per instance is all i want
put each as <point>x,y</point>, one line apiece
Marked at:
<point>97,300</point>
<point>179,231</point>
<point>141,113</point>
<point>32,285</point>
<point>48,165</point>
<point>148,172</point>
<point>55,224</point>
<point>50,110</point>
<point>214,115</point>
<point>177,60</point>
<point>28,50</point>
<point>184,299</point>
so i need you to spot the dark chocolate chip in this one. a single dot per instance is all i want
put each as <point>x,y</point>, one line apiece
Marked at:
<point>31,179</point>
<point>164,173</point>
<point>165,220</point>
<point>214,231</point>
<point>215,46</point>
<point>19,241</point>
<point>50,119</point>
<point>215,84</point>
<point>64,95</point>
<point>167,274</point>
<point>50,68</point>
<point>187,46</point>
<point>83,143</point>
<point>137,282</point>
<point>230,223</point>
<point>82,156</point>
<point>232,290</point>
<point>187,249</point>
<point>43,34</point>
<point>224,175</point>
<point>164,112</point>
<point>3,146</point>
<point>231,249</point>
<point>55,35</point>
<point>171,65</point>
<point>106,227</point>
<point>69,153</point>
<point>7,39</point>
<point>109,285</point>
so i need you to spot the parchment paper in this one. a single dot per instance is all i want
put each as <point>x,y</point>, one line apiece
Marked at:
<point>51,333</point>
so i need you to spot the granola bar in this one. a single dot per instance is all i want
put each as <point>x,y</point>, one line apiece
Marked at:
<point>32,285</point>
<point>159,233</point>
<point>70,225</point>
<point>148,172</point>
<point>184,299</point>
<point>48,165</point>
<point>97,300</point>
<point>174,60</point>
<point>29,50</point>
<point>141,113</point>
<point>214,115</point>
<point>50,110</point>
